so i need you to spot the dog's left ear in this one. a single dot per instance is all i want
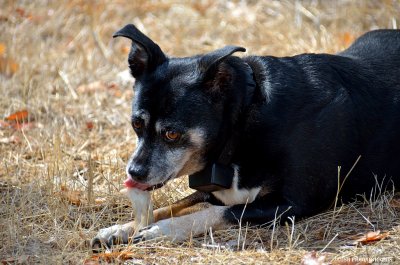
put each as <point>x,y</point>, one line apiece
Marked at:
<point>145,55</point>
<point>212,69</point>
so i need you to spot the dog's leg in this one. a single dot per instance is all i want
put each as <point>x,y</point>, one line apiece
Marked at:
<point>262,213</point>
<point>215,217</point>
<point>181,228</point>
<point>181,207</point>
<point>119,234</point>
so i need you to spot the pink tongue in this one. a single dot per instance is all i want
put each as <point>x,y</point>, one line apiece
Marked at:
<point>129,183</point>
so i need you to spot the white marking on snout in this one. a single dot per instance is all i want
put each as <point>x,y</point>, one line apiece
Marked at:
<point>234,195</point>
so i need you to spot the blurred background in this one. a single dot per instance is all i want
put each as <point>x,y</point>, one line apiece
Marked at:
<point>65,96</point>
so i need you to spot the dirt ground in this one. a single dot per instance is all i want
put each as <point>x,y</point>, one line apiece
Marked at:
<point>64,150</point>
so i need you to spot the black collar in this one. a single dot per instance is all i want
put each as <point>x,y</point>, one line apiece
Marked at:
<point>219,175</point>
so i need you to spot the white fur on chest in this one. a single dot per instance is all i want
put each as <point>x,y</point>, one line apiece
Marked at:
<point>234,195</point>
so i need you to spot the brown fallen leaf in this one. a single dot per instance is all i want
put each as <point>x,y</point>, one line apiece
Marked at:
<point>2,49</point>
<point>89,125</point>
<point>18,116</point>
<point>347,38</point>
<point>371,237</point>
<point>125,49</point>
<point>109,257</point>
<point>8,66</point>
<point>74,197</point>
<point>18,121</point>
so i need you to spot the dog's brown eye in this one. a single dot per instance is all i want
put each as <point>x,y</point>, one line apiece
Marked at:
<point>172,135</point>
<point>137,124</point>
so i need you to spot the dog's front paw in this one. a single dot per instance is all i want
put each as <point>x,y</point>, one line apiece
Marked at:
<point>113,235</point>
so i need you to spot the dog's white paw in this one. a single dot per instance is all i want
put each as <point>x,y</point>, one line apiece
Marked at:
<point>113,235</point>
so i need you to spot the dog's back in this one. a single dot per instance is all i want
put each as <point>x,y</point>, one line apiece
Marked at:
<point>379,46</point>
<point>337,107</point>
<point>379,52</point>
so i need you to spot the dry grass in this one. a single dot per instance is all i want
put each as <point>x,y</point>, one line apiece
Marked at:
<point>61,45</point>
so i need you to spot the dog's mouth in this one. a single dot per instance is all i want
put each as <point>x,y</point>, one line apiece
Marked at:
<point>130,183</point>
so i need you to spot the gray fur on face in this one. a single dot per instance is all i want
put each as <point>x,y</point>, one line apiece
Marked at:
<point>166,162</point>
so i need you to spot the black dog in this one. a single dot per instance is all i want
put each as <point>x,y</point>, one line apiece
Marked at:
<point>283,125</point>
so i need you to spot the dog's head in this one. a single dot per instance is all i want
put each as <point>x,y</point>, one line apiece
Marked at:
<point>180,108</point>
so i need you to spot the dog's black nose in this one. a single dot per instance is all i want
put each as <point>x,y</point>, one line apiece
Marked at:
<point>138,173</point>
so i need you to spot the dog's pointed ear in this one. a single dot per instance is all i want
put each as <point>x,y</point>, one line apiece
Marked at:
<point>212,69</point>
<point>145,55</point>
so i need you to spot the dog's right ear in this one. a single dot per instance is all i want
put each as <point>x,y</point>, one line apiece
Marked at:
<point>213,72</point>
<point>145,55</point>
